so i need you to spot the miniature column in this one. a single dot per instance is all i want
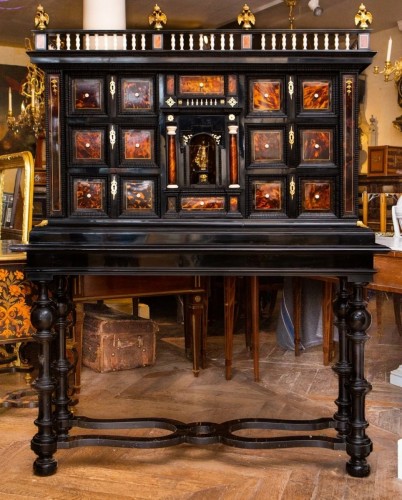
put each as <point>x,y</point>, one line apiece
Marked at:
<point>172,164</point>
<point>233,157</point>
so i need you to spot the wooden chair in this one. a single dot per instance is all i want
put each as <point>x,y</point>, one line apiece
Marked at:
<point>253,286</point>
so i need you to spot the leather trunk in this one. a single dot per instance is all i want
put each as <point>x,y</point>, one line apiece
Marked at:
<point>114,341</point>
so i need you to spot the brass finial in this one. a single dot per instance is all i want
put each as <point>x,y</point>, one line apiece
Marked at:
<point>363,18</point>
<point>41,18</point>
<point>157,19</point>
<point>246,18</point>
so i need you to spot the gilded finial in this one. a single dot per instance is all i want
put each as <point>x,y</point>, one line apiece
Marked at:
<point>246,18</point>
<point>363,18</point>
<point>157,19</point>
<point>41,18</point>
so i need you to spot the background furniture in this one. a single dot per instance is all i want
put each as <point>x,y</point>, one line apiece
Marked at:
<point>193,288</point>
<point>377,195</point>
<point>16,188</point>
<point>16,298</point>
<point>388,279</point>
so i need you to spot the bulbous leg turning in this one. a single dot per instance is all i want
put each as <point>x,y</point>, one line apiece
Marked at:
<point>358,444</point>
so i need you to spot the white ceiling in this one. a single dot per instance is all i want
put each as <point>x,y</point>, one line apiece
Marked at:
<point>16,16</point>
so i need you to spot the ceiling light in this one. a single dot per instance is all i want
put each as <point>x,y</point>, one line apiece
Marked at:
<point>314,5</point>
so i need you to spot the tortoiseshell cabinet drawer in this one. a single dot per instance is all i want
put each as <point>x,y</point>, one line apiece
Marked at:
<point>161,143</point>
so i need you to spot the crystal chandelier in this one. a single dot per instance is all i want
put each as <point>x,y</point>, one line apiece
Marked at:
<point>32,116</point>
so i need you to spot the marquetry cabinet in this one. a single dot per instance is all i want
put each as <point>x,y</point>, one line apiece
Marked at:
<point>202,153</point>
<point>160,141</point>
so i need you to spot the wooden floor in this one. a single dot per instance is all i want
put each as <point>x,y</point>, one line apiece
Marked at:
<point>289,388</point>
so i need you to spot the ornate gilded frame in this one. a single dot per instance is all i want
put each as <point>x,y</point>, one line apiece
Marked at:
<point>25,161</point>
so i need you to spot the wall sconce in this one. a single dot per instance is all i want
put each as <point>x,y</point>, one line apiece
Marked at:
<point>314,5</point>
<point>393,72</point>
<point>32,114</point>
<point>390,71</point>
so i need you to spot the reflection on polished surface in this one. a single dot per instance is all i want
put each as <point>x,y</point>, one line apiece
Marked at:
<point>6,253</point>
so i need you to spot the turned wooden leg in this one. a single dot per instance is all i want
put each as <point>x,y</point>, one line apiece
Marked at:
<point>44,443</point>
<point>358,444</point>
<point>255,324</point>
<point>78,332</point>
<point>327,322</point>
<point>229,292</point>
<point>61,365</point>
<point>197,320</point>
<point>343,367</point>
<point>397,311</point>
<point>379,301</point>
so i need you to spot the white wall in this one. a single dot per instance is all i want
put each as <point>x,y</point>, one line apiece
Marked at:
<point>15,57</point>
<point>381,98</point>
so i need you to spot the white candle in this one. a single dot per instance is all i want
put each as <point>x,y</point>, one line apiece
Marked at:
<point>10,101</point>
<point>33,97</point>
<point>389,49</point>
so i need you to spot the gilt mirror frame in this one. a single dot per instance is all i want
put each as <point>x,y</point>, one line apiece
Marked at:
<point>25,161</point>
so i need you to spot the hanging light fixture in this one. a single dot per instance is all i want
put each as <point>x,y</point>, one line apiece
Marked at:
<point>314,5</point>
<point>291,4</point>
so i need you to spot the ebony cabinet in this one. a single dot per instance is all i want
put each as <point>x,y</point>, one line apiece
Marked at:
<point>231,145</point>
<point>202,152</point>
<point>231,138</point>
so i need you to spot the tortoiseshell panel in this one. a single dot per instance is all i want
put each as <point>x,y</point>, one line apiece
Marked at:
<point>170,84</point>
<point>53,138</point>
<point>316,196</point>
<point>267,196</point>
<point>232,84</point>
<point>349,144</point>
<point>316,95</point>
<point>157,41</point>
<point>138,145</point>
<point>138,195</point>
<point>89,195</point>
<point>87,94</point>
<point>266,95</point>
<point>203,203</point>
<point>171,204</point>
<point>88,145</point>
<point>317,146</point>
<point>234,204</point>
<point>267,146</point>
<point>202,84</point>
<point>137,94</point>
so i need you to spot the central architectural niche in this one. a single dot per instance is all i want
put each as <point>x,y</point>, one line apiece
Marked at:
<point>203,159</point>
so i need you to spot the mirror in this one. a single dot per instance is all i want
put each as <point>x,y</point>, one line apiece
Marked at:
<point>16,192</point>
